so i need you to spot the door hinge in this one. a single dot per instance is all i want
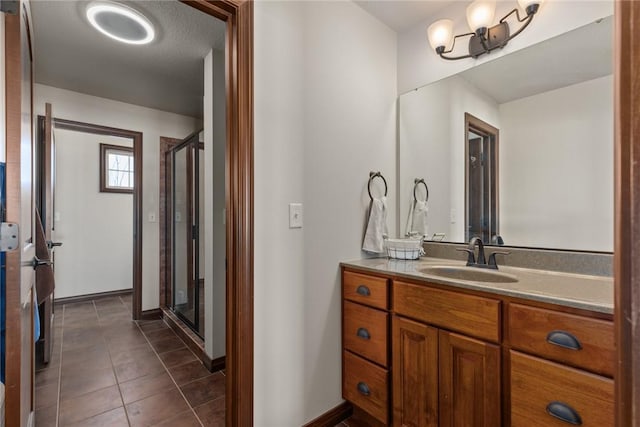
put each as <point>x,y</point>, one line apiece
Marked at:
<point>12,7</point>
<point>9,237</point>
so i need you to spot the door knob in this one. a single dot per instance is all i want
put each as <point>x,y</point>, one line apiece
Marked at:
<point>37,262</point>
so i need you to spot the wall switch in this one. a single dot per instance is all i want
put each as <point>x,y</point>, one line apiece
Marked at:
<point>454,214</point>
<point>56,216</point>
<point>152,217</point>
<point>295,215</point>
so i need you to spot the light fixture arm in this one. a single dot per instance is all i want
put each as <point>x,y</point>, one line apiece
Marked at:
<point>527,20</point>
<point>440,49</point>
<point>485,40</point>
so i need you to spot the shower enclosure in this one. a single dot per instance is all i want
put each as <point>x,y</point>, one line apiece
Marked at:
<point>185,172</point>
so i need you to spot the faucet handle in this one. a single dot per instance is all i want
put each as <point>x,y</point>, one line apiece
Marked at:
<point>492,258</point>
<point>471,259</point>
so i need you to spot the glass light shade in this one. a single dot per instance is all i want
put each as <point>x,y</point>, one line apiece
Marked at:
<point>440,33</point>
<point>524,4</point>
<point>480,14</point>
<point>120,23</point>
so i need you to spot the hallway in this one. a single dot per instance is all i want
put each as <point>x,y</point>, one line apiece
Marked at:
<point>107,370</point>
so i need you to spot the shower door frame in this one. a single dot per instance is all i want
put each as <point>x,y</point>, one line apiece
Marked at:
<point>193,206</point>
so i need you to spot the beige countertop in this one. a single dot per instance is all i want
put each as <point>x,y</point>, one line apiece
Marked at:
<point>586,292</point>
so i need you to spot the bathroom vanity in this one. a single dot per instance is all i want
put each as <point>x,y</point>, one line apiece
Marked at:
<point>424,348</point>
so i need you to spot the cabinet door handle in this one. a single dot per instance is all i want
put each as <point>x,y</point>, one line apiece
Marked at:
<point>364,389</point>
<point>564,412</point>
<point>363,290</point>
<point>364,334</point>
<point>564,339</point>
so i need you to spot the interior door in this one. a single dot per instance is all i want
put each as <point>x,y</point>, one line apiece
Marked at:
<point>20,273</point>
<point>45,280</point>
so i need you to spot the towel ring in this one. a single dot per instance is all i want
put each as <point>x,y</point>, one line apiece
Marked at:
<point>415,186</point>
<point>373,175</point>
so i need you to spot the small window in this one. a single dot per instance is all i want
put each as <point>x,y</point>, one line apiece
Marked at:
<point>116,169</point>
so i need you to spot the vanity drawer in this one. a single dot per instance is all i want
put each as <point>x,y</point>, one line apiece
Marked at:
<point>365,332</point>
<point>469,314</point>
<point>369,290</point>
<point>539,387</point>
<point>366,386</point>
<point>575,340</point>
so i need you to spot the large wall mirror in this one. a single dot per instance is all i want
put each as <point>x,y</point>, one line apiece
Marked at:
<point>547,180</point>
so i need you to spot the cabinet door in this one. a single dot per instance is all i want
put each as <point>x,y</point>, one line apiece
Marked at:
<point>469,382</point>
<point>415,374</point>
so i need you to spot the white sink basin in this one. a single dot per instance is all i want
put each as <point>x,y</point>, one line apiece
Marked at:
<point>472,274</point>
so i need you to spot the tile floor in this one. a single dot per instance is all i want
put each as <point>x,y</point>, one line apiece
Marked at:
<point>107,370</point>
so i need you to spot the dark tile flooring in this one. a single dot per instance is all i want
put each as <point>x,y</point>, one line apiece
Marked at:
<point>107,370</point>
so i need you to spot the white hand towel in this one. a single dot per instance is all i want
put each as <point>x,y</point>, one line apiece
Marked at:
<point>376,227</point>
<point>408,228</point>
<point>417,220</point>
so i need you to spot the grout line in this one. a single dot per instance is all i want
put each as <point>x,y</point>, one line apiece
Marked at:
<point>95,415</point>
<point>113,368</point>
<point>169,373</point>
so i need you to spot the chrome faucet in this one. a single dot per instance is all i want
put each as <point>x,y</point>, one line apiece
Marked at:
<point>481,262</point>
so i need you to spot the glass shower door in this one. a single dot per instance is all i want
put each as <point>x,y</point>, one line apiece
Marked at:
<point>185,215</point>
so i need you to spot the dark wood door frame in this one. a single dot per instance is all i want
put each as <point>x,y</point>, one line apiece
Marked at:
<point>164,200</point>
<point>75,126</point>
<point>484,129</point>
<point>238,16</point>
<point>19,343</point>
<point>627,213</point>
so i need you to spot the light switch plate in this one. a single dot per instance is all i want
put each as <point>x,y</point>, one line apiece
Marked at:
<point>454,215</point>
<point>152,217</point>
<point>295,215</point>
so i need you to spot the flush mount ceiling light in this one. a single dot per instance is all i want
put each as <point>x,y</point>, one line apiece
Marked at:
<point>484,37</point>
<point>120,23</point>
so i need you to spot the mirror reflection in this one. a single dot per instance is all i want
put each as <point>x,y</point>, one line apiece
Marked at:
<point>517,151</point>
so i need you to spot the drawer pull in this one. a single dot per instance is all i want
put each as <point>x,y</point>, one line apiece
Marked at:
<point>564,339</point>
<point>564,412</point>
<point>363,290</point>
<point>363,389</point>
<point>364,334</point>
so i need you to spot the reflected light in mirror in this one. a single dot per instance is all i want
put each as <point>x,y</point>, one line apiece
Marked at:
<point>440,33</point>
<point>480,14</point>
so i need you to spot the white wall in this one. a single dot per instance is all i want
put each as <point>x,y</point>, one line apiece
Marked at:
<point>418,64</point>
<point>432,146</point>
<point>153,124</point>
<point>325,95</point>
<point>96,228</point>
<point>564,133</point>
<point>214,203</point>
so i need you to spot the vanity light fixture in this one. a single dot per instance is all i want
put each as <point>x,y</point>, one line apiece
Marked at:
<point>484,37</point>
<point>120,23</point>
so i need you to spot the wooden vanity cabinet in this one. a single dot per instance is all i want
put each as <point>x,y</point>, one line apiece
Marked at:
<point>421,355</point>
<point>560,368</point>
<point>469,382</point>
<point>365,334</point>
<point>415,377</point>
<point>444,378</point>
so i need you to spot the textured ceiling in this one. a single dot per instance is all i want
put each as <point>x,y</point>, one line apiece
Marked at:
<point>401,15</point>
<point>577,56</point>
<point>166,74</point>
